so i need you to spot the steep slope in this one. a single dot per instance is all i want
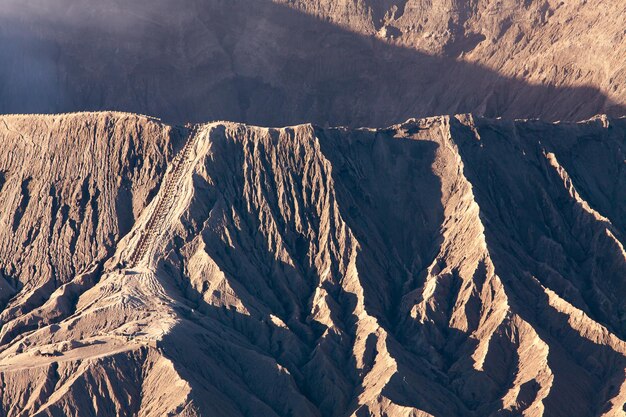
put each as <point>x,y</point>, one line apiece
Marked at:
<point>282,62</point>
<point>71,187</point>
<point>450,266</point>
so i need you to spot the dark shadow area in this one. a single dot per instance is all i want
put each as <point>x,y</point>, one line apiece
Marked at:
<point>23,204</point>
<point>3,180</point>
<point>391,200</point>
<point>251,61</point>
<point>532,210</point>
<point>524,203</point>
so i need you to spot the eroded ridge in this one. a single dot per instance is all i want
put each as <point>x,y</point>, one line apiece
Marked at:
<point>451,266</point>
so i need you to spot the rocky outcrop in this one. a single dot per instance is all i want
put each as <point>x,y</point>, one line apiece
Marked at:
<point>450,266</point>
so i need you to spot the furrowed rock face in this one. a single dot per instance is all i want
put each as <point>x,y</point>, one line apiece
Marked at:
<point>70,187</point>
<point>450,266</point>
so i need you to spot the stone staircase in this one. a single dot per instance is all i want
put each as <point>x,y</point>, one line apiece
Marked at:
<point>155,224</point>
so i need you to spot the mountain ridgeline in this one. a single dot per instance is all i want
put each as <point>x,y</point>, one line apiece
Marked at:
<point>451,266</point>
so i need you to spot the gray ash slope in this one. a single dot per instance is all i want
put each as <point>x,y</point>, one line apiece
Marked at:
<point>450,266</point>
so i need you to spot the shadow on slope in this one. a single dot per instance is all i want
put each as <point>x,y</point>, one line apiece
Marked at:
<point>247,60</point>
<point>398,234</point>
<point>326,369</point>
<point>524,205</point>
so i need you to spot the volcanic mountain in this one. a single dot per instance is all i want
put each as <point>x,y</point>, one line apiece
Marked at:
<point>447,266</point>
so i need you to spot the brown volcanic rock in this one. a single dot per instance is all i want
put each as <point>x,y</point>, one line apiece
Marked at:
<point>451,266</point>
<point>357,63</point>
